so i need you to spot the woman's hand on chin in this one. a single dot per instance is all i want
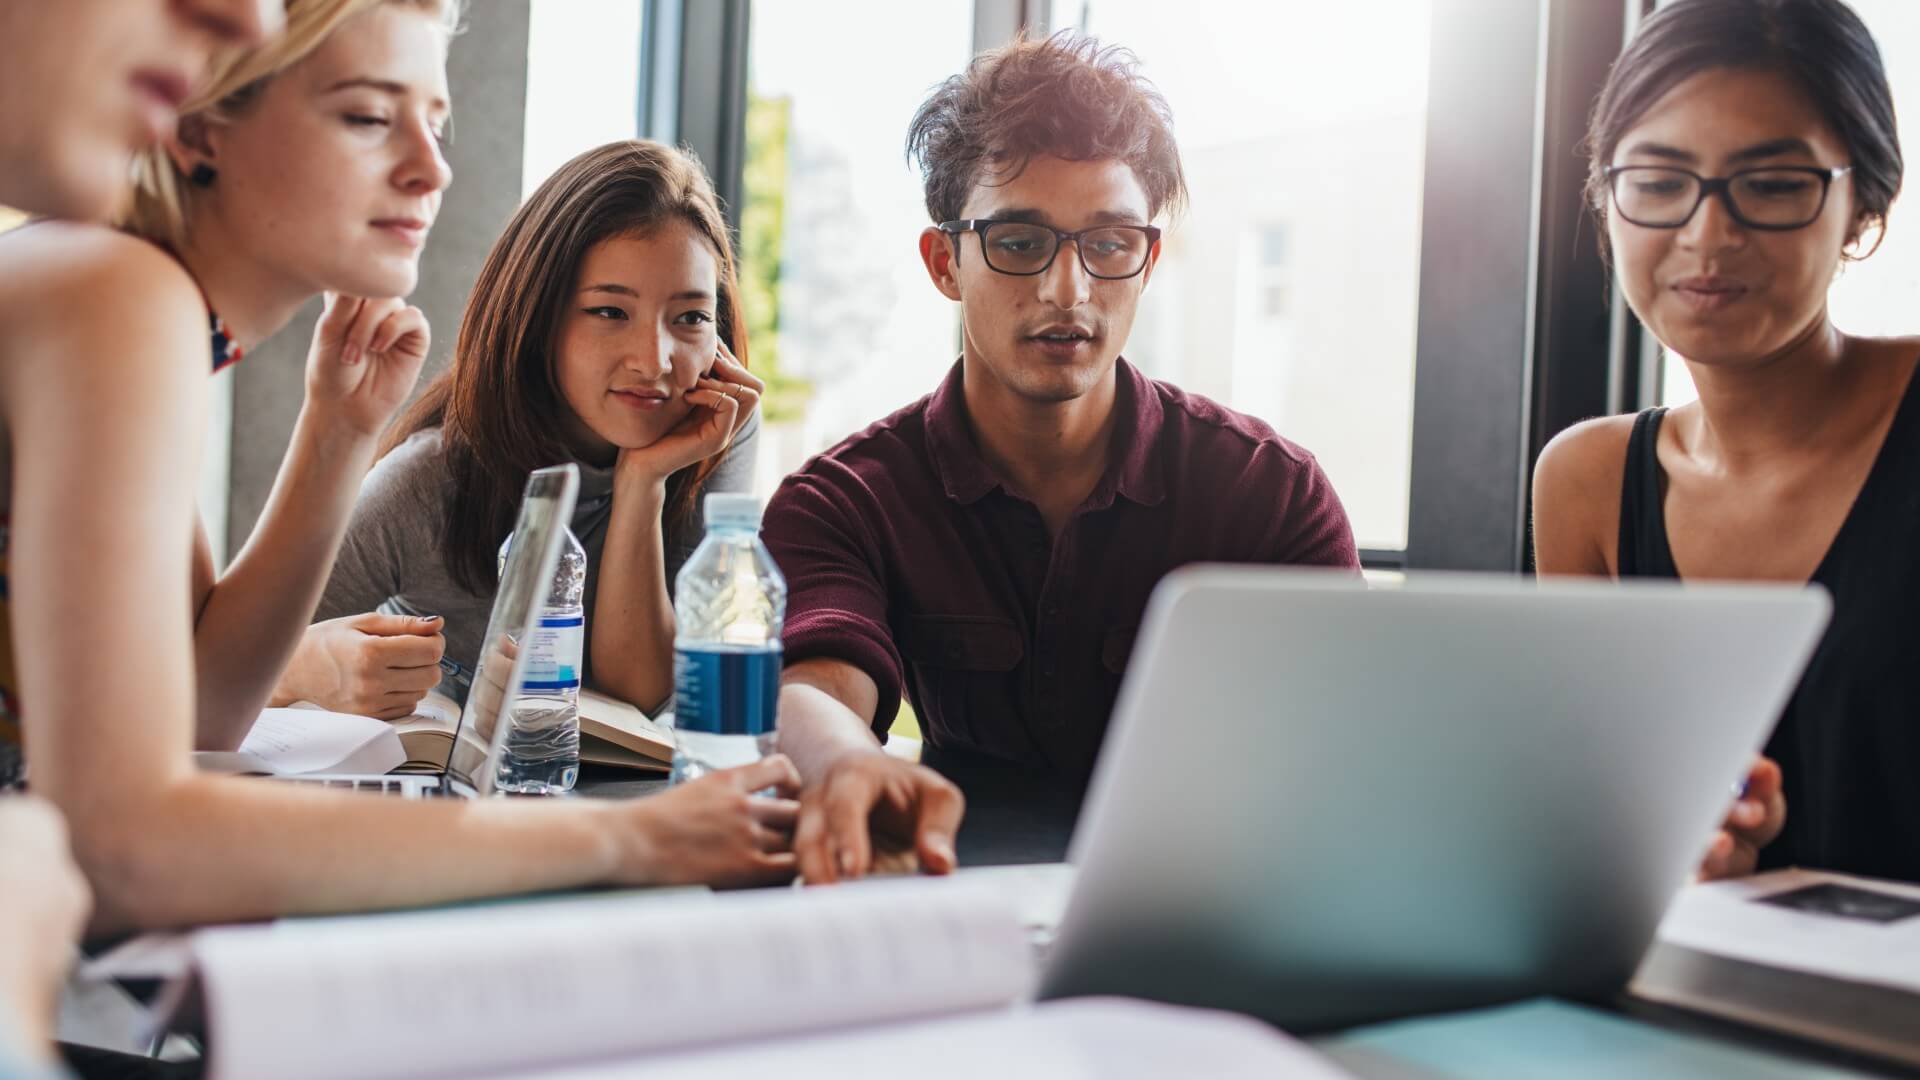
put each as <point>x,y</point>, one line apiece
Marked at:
<point>723,401</point>
<point>365,359</point>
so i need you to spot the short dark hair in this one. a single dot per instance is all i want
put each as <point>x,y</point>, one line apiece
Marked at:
<point>1820,44</point>
<point>1066,97</point>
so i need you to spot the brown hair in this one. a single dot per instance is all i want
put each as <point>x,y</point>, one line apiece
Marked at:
<point>498,405</point>
<point>1065,97</point>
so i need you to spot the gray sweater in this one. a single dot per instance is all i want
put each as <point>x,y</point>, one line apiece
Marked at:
<point>393,559</point>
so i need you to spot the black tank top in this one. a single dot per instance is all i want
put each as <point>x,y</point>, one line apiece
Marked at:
<point>1849,742</point>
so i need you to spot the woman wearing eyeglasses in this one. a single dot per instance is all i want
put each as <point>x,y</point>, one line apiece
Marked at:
<point>1743,151</point>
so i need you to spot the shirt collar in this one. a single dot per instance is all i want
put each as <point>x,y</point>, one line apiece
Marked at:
<point>1138,418</point>
<point>963,473</point>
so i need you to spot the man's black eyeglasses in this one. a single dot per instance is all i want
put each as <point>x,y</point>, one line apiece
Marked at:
<point>1773,199</point>
<point>1022,248</point>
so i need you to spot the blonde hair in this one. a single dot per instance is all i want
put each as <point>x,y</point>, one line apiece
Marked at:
<point>161,202</point>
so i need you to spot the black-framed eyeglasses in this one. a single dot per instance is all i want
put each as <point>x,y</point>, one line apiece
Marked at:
<point>1774,198</point>
<point>1024,248</point>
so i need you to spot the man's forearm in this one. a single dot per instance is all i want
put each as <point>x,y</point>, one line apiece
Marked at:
<point>817,727</point>
<point>251,620</point>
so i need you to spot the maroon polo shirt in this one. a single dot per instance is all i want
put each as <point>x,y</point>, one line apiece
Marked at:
<point>908,557</point>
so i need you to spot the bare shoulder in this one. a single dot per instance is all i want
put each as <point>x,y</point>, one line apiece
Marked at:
<point>46,259</point>
<point>1901,353</point>
<point>1590,453</point>
<point>96,296</point>
<point>1576,496</point>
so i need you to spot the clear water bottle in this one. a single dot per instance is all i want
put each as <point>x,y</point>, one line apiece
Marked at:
<point>729,604</point>
<point>543,745</point>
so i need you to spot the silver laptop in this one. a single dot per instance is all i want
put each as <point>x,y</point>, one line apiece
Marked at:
<point>480,736</point>
<point>1322,805</point>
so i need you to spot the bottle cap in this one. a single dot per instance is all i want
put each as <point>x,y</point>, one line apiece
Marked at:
<point>733,510</point>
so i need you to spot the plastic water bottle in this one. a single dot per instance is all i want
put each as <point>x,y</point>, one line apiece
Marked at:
<point>729,604</point>
<point>543,743</point>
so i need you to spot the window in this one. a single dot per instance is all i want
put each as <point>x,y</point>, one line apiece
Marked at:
<point>583,80</point>
<point>843,323</point>
<point>1875,297</point>
<point>1290,287</point>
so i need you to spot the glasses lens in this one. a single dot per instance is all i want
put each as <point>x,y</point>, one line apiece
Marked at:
<point>1014,248</point>
<point>1780,197</point>
<point>1113,253</point>
<point>1655,196</point>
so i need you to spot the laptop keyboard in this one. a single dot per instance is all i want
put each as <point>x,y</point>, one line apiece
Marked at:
<point>388,785</point>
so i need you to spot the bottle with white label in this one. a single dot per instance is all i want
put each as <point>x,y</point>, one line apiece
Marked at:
<point>543,745</point>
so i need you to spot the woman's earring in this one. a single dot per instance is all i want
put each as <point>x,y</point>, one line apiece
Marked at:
<point>202,175</point>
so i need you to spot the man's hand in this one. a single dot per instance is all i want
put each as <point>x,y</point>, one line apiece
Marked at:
<point>870,810</point>
<point>373,664</point>
<point>365,358</point>
<point>1754,822</point>
<point>43,903</point>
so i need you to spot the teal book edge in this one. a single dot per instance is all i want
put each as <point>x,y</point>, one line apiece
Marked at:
<point>1546,1037</point>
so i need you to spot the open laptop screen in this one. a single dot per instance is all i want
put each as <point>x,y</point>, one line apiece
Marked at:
<point>524,582</point>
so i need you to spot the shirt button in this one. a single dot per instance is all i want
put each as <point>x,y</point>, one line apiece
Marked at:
<point>1053,611</point>
<point>1046,673</point>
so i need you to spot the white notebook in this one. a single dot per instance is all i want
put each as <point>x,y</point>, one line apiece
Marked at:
<point>294,742</point>
<point>1822,956</point>
<point>595,983</point>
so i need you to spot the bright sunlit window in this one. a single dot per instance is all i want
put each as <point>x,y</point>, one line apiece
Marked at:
<point>843,322</point>
<point>1290,289</point>
<point>583,81</point>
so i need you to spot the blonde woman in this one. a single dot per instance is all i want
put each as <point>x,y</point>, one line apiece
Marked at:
<point>86,83</point>
<point>312,165</point>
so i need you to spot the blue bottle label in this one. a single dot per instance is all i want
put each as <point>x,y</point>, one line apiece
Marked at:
<point>726,691</point>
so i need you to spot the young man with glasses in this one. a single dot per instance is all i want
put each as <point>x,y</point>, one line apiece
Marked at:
<point>989,549</point>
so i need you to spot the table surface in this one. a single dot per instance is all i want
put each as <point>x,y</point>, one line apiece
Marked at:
<point>1016,818</point>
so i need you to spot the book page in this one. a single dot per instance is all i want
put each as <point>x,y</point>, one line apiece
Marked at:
<point>538,982</point>
<point>291,742</point>
<point>1081,1039</point>
<point>625,726</point>
<point>1745,919</point>
<point>595,751</point>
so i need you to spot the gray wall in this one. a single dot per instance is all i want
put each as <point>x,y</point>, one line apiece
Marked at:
<point>487,74</point>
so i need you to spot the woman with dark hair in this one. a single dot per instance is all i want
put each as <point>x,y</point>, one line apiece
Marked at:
<point>604,330</point>
<point>1743,150</point>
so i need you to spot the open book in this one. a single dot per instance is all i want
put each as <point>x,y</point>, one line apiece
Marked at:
<point>1822,956</point>
<point>428,733</point>
<point>612,732</point>
<point>600,981</point>
<point>293,742</point>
